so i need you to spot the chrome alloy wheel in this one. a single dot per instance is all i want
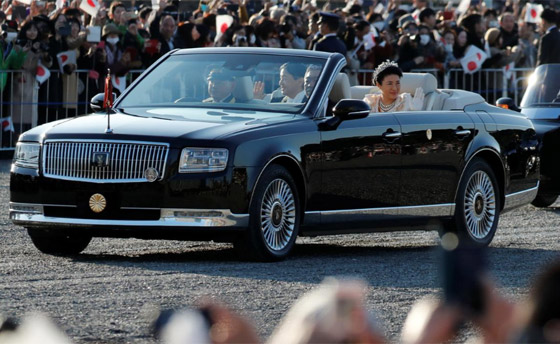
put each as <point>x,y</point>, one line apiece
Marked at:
<point>278,214</point>
<point>480,205</point>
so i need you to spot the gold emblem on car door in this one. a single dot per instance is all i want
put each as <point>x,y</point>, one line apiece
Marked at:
<point>97,203</point>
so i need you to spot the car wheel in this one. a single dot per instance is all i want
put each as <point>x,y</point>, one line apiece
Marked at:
<point>274,217</point>
<point>477,205</point>
<point>58,244</point>
<point>544,200</point>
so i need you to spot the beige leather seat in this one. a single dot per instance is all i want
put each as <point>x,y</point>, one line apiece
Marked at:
<point>243,91</point>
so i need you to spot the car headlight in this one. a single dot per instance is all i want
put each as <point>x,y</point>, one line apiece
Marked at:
<point>27,155</point>
<point>203,160</point>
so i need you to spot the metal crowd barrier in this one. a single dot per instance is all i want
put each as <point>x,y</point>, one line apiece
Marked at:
<point>24,104</point>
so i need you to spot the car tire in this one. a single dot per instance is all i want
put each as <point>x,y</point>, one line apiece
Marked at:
<point>58,244</point>
<point>274,217</point>
<point>544,200</point>
<point>477,209</point>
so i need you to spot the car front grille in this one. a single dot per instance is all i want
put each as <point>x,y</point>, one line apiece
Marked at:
<point>103,161</point>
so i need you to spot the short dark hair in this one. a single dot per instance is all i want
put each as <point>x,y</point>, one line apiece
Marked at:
<point>388,71</point>
<point>549,15</point>
<point>425,13</point>
<point>297,70</point>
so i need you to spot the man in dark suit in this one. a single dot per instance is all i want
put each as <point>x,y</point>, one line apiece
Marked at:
<point>220,87</point>
<point>550,41</point>
<point>328,25</point>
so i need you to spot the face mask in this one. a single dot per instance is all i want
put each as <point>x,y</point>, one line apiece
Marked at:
<point>379,25</point>
<point>449,48</point>
<point>112,40</point>
<point>203,7</point>
<point>252,39</point>
<point>493,23</point>
<point>424,39</point>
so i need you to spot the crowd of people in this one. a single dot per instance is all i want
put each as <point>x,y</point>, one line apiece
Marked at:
<point>63,37</point>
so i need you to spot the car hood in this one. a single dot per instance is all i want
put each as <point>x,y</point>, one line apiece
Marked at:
<point>171,123</point>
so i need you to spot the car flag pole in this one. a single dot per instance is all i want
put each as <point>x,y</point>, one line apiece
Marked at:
<point>108,100</point>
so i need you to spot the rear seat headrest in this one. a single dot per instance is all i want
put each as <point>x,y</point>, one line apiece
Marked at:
<point>411,81</point>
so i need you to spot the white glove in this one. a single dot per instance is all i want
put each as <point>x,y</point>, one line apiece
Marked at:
<point>418,100</point>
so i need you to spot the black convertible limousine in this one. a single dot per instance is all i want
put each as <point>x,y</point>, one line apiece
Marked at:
<point>197,148</point>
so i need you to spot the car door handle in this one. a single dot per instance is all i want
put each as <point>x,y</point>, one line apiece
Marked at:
<point>392,135</point>
<point>462,132</point>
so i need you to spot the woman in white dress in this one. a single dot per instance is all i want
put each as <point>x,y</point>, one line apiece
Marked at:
<point>387,77</point>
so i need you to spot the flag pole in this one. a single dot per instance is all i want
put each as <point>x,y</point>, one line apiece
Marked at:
<point>108,100</point>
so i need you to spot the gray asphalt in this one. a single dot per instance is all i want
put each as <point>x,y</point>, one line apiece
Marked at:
<point>106,294</point>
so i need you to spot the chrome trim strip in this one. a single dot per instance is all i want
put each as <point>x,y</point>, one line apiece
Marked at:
<point>520,198</point>
<point>208,218</point>
<point>432,210</point>
<point>15,204</point>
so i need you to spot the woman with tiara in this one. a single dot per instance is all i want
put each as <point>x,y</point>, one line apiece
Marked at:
<point>387,77</point>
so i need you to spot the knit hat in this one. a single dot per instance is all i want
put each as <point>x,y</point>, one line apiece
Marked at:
<point>110,28</point>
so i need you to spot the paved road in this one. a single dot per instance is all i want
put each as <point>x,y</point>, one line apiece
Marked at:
<point>104,295</point>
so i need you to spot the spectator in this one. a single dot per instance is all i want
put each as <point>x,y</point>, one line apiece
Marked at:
<point>475,28</point>
<point>187,35</point>
<point>313,33</point>
<point>427,17</point>
<point>329,42</point>
<point>117,60</point>
<point>490,16</point>
<point>508,30</point>
<point>528,43</point>
<point>550,41</point>
<point>499,57</point>
<point>25,57</point>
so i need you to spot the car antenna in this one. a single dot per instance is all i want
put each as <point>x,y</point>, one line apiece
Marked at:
<point>108,100</point>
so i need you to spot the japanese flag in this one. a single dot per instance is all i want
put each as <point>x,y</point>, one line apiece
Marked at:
<point>65,58</point>
<point>369,41</point>
<point>27,2</point>
<point>533,13</point>
<point>60,4</point>
<point>463,6</point>
<point>7,124</point>
<point>119,82</point>
<point>91,7</point>
<point>474,57</point>
<point>42,73</point>
<point>223,22</point>
<point>508,70</point>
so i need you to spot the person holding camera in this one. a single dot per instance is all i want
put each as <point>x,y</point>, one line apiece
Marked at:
<point>24,58</point>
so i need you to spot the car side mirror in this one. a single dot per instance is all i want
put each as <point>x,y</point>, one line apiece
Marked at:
<point>349,109</point>
<point>96,103</point>
<point>507,103</point>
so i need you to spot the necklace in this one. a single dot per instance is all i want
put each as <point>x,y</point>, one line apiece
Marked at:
<point>386,108</point>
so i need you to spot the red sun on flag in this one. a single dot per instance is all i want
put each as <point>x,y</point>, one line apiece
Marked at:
<point>91,3</point>
<point>40,71</point>
<point>5,124</point>
<point>223,28</point>
<point>533,13</point>
<point>472,65</point>
<point>63,58</point>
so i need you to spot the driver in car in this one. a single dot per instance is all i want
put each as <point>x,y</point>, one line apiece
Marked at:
<point>220,87</point>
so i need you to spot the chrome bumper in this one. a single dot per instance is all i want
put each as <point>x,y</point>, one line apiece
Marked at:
<point>26,214</point>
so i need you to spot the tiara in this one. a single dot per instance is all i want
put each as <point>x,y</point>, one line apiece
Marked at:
<point>382,67</point>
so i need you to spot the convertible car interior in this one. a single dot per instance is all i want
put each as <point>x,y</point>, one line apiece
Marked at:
<point>434,100</point>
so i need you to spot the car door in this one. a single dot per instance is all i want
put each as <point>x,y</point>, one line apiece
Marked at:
<point>361,160</point>
<point>433,151</point>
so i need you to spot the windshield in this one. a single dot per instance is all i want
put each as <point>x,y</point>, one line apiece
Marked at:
<point>229,81</point>
<point>544,87</point>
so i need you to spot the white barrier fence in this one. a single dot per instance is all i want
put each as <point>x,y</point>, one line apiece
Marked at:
<point>24,103</point>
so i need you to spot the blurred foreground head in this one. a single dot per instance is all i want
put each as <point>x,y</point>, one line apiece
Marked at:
<point>333,313</point>
<point>33,329</point>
